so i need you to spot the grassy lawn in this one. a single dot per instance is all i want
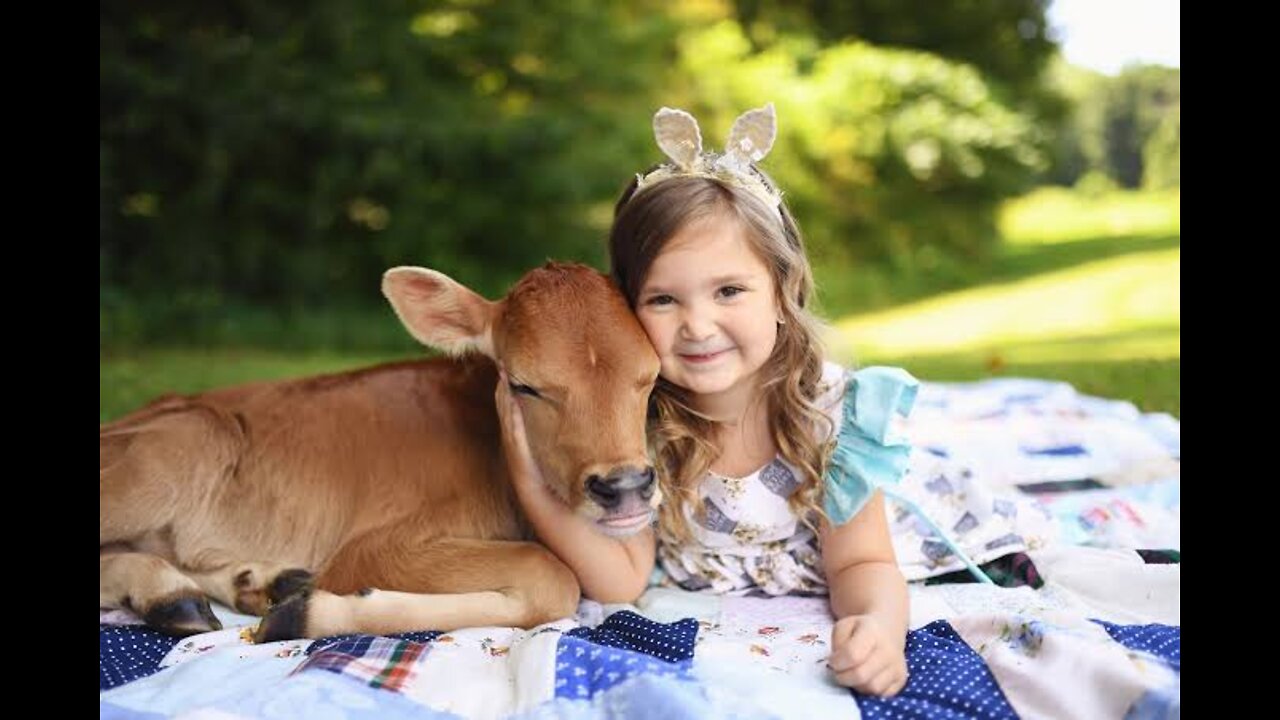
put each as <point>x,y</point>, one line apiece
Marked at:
<point>128,379</point>
<point>1084,290</point>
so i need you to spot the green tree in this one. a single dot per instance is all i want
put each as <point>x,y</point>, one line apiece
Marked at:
<point>289,152</point>
<point>886,155</point>
<point>1162,153</point>
<point>1137,101</point>
<point>1120,125</point>
<point>1007,40</point>
<point>1077,143</point>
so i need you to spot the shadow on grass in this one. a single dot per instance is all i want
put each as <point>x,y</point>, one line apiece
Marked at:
<point>1019,262</point>
<point>873,288</point>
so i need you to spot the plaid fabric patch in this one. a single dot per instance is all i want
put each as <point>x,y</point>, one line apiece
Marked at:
<point>418,636</point>
<point>379,662</point>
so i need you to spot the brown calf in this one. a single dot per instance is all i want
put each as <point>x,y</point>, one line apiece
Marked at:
<point>297,496</point>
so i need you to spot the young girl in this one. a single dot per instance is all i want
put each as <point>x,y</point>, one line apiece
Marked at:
<point>760,497</point>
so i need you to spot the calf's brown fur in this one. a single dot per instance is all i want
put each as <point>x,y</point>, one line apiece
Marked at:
<point>379,500</point>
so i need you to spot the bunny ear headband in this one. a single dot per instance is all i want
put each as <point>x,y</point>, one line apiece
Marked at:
<point>750,139</point>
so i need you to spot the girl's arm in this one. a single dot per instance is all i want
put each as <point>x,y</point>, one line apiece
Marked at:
<point>869,601</point>
<point>610,570</point>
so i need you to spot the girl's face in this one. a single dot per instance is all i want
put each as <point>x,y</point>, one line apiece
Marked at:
<point>709,307</point>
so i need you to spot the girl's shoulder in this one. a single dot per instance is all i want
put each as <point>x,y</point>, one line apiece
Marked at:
<point>881,390</point>
<point>831,388</point>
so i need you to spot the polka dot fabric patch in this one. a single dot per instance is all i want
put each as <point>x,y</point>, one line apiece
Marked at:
<point>672,642</point>
<point>947,680</point>
<point>129,652</point>
<point>1162,641</point>
<point>589,660</point>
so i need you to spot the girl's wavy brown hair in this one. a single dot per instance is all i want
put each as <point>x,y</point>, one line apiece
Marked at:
<point>679,436</point>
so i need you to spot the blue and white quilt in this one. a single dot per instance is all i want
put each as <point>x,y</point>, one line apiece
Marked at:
<point>1083,491</point>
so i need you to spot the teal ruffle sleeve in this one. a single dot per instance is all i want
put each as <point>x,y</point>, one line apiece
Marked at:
<point>869,453</point>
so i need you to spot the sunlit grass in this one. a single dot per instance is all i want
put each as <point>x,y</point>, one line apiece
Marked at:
<point>1060,215</point>
<point>1117,309</point>
<point>1109,326</point>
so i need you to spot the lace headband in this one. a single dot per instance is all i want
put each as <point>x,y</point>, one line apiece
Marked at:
<point>750,139</point>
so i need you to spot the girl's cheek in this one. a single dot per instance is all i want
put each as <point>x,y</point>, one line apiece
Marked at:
<point>652,327</point>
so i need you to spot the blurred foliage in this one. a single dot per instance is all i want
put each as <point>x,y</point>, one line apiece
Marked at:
<point>289,153</point>
<point>886,156</point>
<point>1008,41</point>
<point>1126,127</point>
<point>1162,153</point>
<point>261,165</point>
<point>1111,261</point>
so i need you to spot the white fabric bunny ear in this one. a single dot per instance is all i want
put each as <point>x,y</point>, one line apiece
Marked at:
<point>678,135</point>
<point>752,135</point>
<point>750,139</point>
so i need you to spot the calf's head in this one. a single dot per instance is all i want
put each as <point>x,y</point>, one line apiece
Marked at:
<point>581,368</point>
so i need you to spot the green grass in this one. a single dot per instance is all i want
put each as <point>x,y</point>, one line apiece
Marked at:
<point>1085,289</point>
<point>1048,230</point>
<point>1062,300</point>
<point>128,379</point>
<point>1055,215</point>
<point>1120,308</point>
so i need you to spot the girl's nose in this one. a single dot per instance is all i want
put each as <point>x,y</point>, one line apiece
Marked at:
<point>697,323</point>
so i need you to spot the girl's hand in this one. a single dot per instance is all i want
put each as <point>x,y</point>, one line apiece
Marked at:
<point>866,657</point>
<point>524,471</point>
